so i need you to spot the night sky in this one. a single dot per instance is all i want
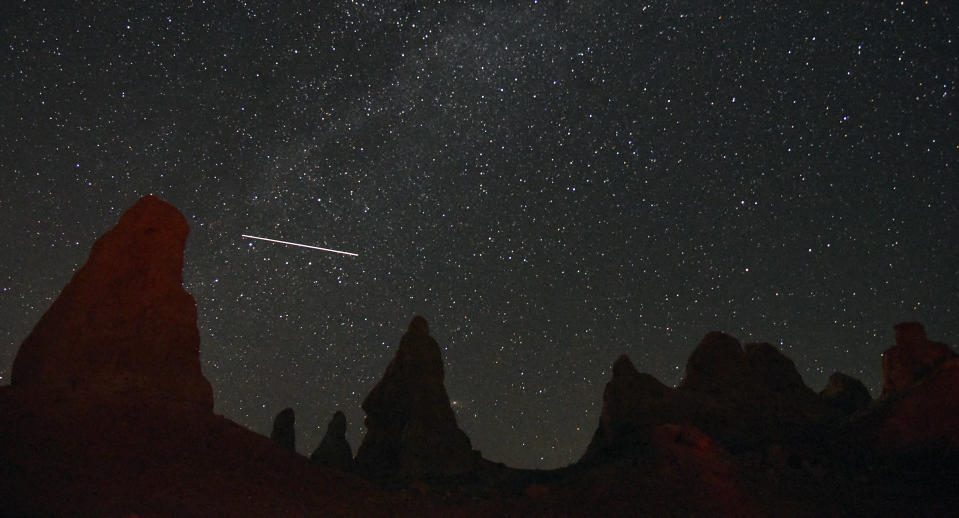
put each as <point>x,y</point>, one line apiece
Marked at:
<point>551,184</point>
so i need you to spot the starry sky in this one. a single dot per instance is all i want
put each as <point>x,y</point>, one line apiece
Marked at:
<point>550,183</point>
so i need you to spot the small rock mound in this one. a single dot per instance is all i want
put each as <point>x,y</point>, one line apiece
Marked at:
<point>334,450</point>
<point>284,432</point>
<point>123,323</point>
<point>411,428</point>
<point>846,393</point>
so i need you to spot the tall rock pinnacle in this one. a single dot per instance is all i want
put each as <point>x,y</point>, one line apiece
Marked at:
<point>411,427</point>
<point>124,322</point>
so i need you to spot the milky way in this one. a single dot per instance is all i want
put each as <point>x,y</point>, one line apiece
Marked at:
<point>551,184</point>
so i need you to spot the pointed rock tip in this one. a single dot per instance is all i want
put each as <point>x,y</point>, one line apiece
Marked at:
<point>338,423</point>
<point>623,366</point>
<point>718,358</point>
<point>419,326</point>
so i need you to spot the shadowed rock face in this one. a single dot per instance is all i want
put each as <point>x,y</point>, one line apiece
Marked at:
<point>920,398</point>
<point>632,402</point>
<point>846,393</point>
<point>912,359</point>
<point>284,431</point>
<point>334,450</point>
<point>716,365</point>
<point>745,398</point>
<point>411,427</point>
<point>124,322</point>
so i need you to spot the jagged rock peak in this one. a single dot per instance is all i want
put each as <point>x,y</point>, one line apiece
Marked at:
<point>411,427</point>
<point>624,367</point>
<point>846,393</point>
<point>284,431</point>
<point>911,359</point>
<point>124,322</point>
<point>769,368</point>
<point>334,450</point>
<point>717,362</point>
<point>632,401</point>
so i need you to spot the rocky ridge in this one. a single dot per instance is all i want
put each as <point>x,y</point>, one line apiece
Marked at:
<point>127,427</point>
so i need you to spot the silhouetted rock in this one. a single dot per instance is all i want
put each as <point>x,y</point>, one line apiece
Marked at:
<point>770,369</point>
<point>911,359</point>
<point>334,450</point>
<point>920,403</point>
<point>109,414</point>
<point>846,393</point>
<point>716,365</point>
<point>124,322</point>
<point>632,402</point>
<point>744,398</point>
<point>284,431</point>
<point>411,427</point>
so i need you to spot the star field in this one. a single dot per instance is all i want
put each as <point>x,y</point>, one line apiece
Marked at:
<point>551,184</point>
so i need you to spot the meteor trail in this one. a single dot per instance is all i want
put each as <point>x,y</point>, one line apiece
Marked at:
<point>300,244</point>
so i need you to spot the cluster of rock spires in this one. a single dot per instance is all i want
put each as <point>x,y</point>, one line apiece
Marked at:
<point>114,363</point>
<point>745,397</point>
<point>411,430</point>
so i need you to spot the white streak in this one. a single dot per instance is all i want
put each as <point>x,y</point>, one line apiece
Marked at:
<point>302,245</point>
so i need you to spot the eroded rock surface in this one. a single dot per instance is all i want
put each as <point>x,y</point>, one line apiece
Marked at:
<point>124,322</point>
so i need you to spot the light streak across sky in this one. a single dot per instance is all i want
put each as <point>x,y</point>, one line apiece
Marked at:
<point>300,245</point>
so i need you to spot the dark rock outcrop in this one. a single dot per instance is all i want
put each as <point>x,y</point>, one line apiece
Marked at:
<point>720,365</point>
<point>744,398</point>
<point>770,369</point>
<point>284,431</point>
<point>109,414</point>
<point>919,408</point>
<point>334,450</point>
<point>123,323</point>
<point>716,365</point>
<point>411,428</point>
<point>911,360</point>
<point>846,393</point>
<point>632,402</point>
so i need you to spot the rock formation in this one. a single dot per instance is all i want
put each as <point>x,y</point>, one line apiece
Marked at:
<point>109,414</point>
<point>846,393</point>
<point>920,401</point>
<point>632,403</point>
<point>284,432</point>
<point>745,398</point>
<point>124,322</point>
<point>911,359</point>
<point>411,430</point>
<point>716,365</point>
<point>334,450</point>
